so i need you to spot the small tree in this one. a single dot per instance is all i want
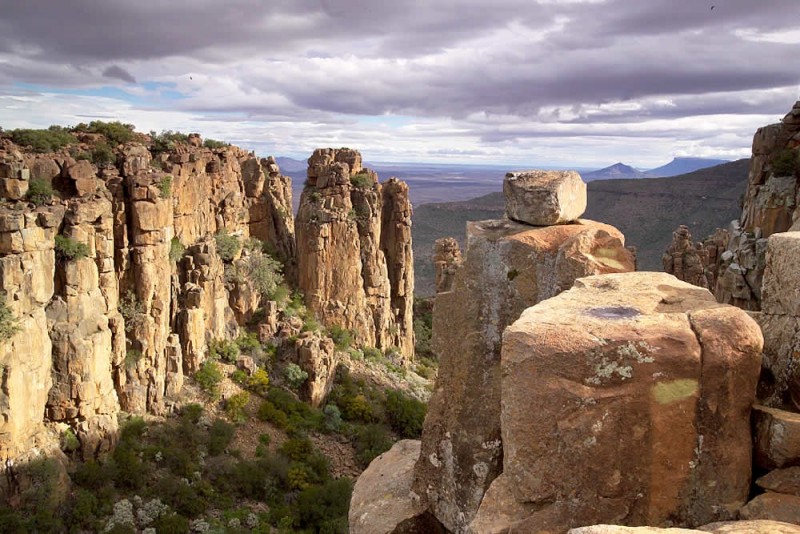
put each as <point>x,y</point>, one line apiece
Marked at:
<point>9,325</point>
<point>40,191</point>
<point>70,249</point>
<point>228,246</point>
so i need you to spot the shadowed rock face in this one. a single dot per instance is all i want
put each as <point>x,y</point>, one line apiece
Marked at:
<point>507,267</point>
<point>355,264</point>
<point>770,206</point>
<point>621,363</point>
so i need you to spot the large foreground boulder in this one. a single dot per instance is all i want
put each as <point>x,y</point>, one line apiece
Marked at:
<point>625,400</point>
<point>725,527</point>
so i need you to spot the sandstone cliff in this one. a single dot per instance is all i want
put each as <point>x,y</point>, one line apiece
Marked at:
<point>355,264</point>
<point>116,283</point>
<point>770,206</point>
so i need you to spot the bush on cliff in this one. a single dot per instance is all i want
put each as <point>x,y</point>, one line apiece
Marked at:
<point>70,249</point>
<point>786,162</point>
<point>361,180</point>
<point>49,140</point>
<point>40,191</point>
<point>102,155</point>
<point>115,132</point>
<point>228,246</point>
<point>9,325</point>
<point>405,414</point>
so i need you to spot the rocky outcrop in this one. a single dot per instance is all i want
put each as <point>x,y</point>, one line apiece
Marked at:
<point>318,357</point>
<point>507,267</point>
<point>117,286</point>
<point>770,206</point>
<point>354,256</point>
<point>543,198</point>
<point>724,527</point>
<point>692,262</point>
<point>624,362</point>
<point>446,261</point>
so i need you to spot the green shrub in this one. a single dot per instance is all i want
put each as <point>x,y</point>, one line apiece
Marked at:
<point>132,311</point>
<point>342,337</point>
<point>165,186</point>
<point>786,162</point>
<point>333,418</point>
<point>358,408</point>
<point>362,180</point>
<point>311,325</point>
<point>235,406</point>
<point>9,325</point>
<point>171,524</point>
<point>297,449</point>
<point>263,272</point>
<point>69,441</point>
<point>269,413</point>
<point>40,191</point>
<point>405,414</point>
<point>176,250</point>
<point>49,140</point>
<point>372,354</point>
<point>102,155</point>
<point>209,377</point>
<point>132,357</point>
<point>115,132</point>
<point>294,375</point>
<point>371,441</point>
<point>228,246</point>
<point>247,341</point>
<point>69,249</point>
<point>219,436</point>
<point>166,140</point>
<point>324,508</point>
<point>213,144</point>
<point>259,382</point>
<point>223,349</point>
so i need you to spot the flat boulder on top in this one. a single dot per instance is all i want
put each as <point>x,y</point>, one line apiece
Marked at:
<point>544,198</point>
<point>625,399</point>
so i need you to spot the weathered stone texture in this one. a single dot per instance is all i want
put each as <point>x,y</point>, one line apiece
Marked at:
<point>692,262</point>
<point>446,261</point>
<point>724,527</point>
<point>625,362</point>
<point>355,264</point>
<point>543,198</point>
<point>507,267</point>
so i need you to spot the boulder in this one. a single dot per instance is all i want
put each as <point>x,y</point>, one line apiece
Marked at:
<point>782,481</point>
<point>543,198</point>
<point>446,261</point>
<point>318,357</point>
<point>626,362</point>
<point>725,527</point>
<point>507,267</point>
<point>780,292</point>
<point>773,506</point>
<point>382,497</point>
<point>776,437</point>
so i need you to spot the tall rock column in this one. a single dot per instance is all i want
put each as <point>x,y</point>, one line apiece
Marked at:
<point>507,267</point>
<point>354,250</point>
<point>84,318</point>
<point>27,272</point>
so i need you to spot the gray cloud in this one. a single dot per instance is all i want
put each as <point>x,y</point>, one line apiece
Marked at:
<point>115,71</point>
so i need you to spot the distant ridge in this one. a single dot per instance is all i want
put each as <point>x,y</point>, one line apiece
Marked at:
<point>616,171</point>
<point>682,166</point>
<point>291,165</point>
<point>675,167</point>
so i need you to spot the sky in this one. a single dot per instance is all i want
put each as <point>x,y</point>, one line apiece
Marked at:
<point>573,83</point>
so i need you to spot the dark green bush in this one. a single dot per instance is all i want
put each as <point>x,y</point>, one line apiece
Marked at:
<point>102,155</point>
<point>40,191</point>
<point>176,250</point>
<point>133,311</point>
<point>271,414</point>
<point>165,186</point>
<point>324,508</point>
<point>219,436</point>
<point>209,377</point>
<point>69,249</point>
<point>213,144</point>
<point>166,140</point>
<point>362,180</point>
<point>223,349</point>
<point>405,414</point>
<point>235,406</point>
<point>49,140</point>
<point>371,441</point>
<point>115,132</point>
<point>183,498</point>
<point>171,524</point>
<point>247,341</point>
<point>228,246</point>
<point>342,337</point>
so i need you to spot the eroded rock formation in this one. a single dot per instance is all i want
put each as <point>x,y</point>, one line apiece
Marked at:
<point>770,206</point>
<point>354,256</point>
<point>108,319</point>
<point>692,262</point>
<point>624,362</point>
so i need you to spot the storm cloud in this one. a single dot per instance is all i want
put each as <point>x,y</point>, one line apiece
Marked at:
<point>509,78</point>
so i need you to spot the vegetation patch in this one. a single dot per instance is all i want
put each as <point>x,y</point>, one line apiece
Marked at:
<point>9,325</point>
<point>209,378</point>
<point>228,246</point>
<point>176,250</point>
<point>115,132</point>
<point>40,191</point>
<point>786,162</point>
<point>165,186</point>
<point>361,180</point>
<point>69,249</point>
<point>43,140</point>
<point>102,155</point>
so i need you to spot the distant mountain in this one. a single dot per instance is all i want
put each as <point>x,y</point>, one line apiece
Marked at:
<point>682,166</point>
<point>616,171</point>
<point>291,165</point>
<point>646,211</point>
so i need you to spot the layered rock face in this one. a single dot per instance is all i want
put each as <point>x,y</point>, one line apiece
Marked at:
<point>355,264</point>
<point>770,206</point>
<point>624,362</point>
<point>446,261</point>
<point>116,324</point>
<point>507,267</point>
<point>692,262</point>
